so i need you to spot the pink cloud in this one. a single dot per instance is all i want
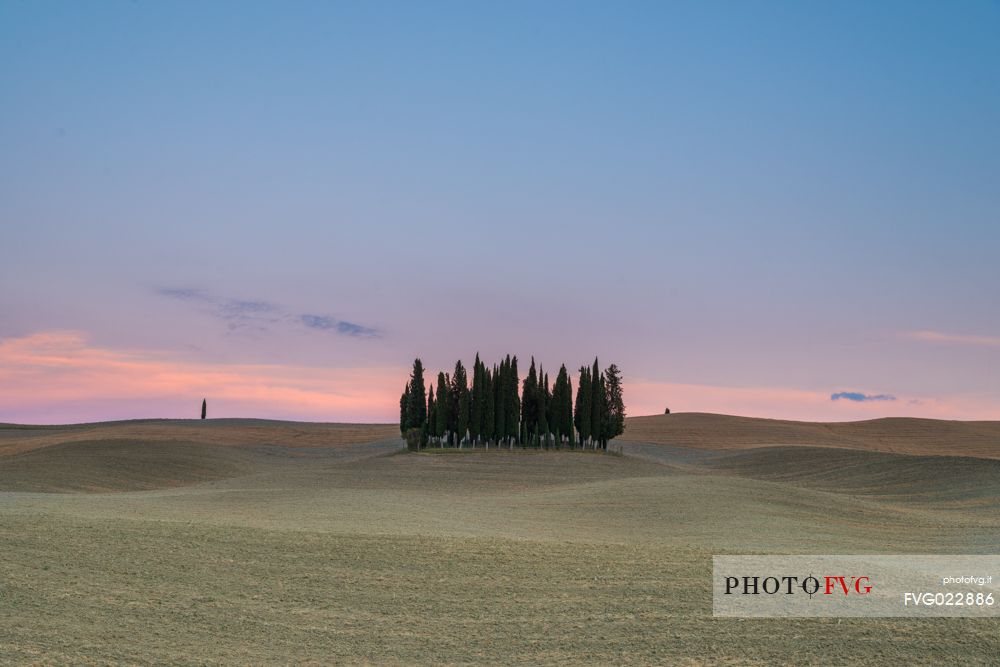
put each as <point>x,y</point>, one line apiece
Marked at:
<point>956,339</point>
<point>56,377</point>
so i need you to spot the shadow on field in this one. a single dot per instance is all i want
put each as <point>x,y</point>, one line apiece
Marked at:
<point>939,481</point>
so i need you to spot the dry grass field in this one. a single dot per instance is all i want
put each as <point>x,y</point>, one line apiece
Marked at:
<point>245,542</point>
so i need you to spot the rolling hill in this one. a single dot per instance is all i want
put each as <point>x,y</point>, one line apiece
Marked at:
<point>929,437</point>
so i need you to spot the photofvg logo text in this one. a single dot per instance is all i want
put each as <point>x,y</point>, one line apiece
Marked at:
<point>865,586</point>
<point>791,585</point>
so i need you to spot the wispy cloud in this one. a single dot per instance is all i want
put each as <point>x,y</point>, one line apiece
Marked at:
<point>326,323</point>
<point>858,397</point>
<point>260,315</point>
<point>955,339</point>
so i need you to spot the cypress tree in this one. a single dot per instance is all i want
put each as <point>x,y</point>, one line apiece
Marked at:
<point>583,396</point>
<point>431,423</point>
<point>542,393</point>
<point>513,419</point>
<point>441,408</point>
<point>550,411</point>
<point>204,408</point>
<point>561,426</point>
<point>600,429</point>
<point>489,407</point>
<point>404,406</point>
<point>596,403</point>
<point>452,409</point>
<point>416,409</point>
<point>568,412</point>
<point>476,401</point>
<point>500,402</point>
<point>460,388</point>
<point>615,425</point>
<point>529,402</point>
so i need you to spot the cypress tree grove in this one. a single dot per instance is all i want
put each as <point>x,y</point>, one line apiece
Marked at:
<point>497,408</point>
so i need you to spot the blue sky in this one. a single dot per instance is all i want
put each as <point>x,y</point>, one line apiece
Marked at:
<point>750,207</point>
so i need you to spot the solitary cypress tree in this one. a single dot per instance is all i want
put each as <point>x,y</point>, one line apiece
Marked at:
<point>204,408</point>
<point>416,410</point>
<point>404,409</point>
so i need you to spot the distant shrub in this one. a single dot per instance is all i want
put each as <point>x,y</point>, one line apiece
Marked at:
<point>666,411</point>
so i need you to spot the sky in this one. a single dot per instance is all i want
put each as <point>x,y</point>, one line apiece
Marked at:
<point>774,209</point>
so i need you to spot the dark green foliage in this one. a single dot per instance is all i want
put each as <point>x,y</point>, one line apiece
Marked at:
<point>204,408</point>
<point>568,414</point>
<point>513,419</point>
<point>416,409</point>
<point>404,408</point>
<point>603,416</point>
<point>431,424</point>
<point>489,407</point>
<point>499,410</point>
<point>615,425</point>
<point>596,404</point>
<point>529,402</point>
<point>441,406</point>
<point>561,422</point>
<point>542,393</point>
<point>476,400</point>
<point>460,392</point>
<point>583,395</point>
